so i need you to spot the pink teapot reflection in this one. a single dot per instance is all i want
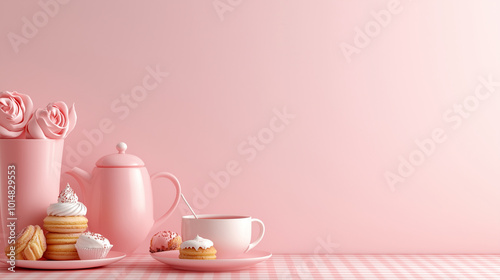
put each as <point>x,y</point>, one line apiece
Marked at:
<point>119,198</point>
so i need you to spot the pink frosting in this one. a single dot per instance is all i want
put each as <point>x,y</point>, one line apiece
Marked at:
<point>159,241</point>
<point>53,122</point>
<point>15,111</point>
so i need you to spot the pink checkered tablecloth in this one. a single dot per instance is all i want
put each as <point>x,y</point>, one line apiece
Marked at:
<point>296,267</point>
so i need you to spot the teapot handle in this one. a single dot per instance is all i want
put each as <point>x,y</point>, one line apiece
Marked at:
<point>177,186</point>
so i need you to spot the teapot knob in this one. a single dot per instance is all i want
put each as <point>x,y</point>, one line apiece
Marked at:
<point>121,147</point>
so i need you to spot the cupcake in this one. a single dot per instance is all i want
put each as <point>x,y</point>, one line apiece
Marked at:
<point>92,246</point>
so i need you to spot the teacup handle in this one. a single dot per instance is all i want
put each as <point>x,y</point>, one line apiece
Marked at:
<point>261,234</point>
<point>177,186</point>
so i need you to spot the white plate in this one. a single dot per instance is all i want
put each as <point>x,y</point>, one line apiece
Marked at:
<point>171,258</point>
<point>112,257</point>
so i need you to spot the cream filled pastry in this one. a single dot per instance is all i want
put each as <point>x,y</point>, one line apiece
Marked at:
<point>197,249</point>
<point>197,243</point>
<point>92,240</point>
<point>92,245</point>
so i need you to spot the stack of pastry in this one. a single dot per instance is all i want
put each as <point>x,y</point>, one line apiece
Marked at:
<point>65,222</point>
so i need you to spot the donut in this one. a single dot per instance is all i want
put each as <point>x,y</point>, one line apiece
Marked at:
<point>30,244</point>
<point>69,224</point>
<point>200,254</point>
<point>165,241</point>
<point>61,252</point>
<point>197,249</point>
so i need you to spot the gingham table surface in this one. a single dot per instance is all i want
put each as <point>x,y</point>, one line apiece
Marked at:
<point>296,267</point>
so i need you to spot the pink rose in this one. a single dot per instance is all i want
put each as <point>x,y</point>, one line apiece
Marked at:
<point>15,111</point>
<point>53,122</point>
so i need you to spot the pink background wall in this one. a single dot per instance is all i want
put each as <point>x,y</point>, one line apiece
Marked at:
<point>356,100</point>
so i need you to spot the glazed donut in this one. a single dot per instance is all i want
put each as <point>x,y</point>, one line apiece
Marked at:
<point>165,241</point>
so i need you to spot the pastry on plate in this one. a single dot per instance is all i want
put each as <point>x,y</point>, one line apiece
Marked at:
<point>71,224</point>
<point>61,252</point>
<point>61,238</point>
<point>65,222</point>
<point>165,241</point>
<point>67,215</point>
<point>92,246</point>
<point>30,244</point>
<point>197,249</point>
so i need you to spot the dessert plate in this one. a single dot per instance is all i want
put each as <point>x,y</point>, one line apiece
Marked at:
<point>112,257</point>
<point>171,258</point>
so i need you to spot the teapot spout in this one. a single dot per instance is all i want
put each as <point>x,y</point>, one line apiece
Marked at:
<point>82,177</point>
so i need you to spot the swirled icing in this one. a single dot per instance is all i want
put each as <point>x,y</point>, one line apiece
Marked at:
<point>67,209</point>
<point>67,205</point>
<point>197,243</point>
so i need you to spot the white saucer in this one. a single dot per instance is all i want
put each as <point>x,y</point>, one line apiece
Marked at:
<point>171,258</point>
<point>112,257</point>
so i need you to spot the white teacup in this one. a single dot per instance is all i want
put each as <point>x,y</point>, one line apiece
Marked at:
<point>231,234</point>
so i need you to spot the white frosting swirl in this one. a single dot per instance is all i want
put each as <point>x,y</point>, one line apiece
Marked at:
<point>90,240</point>
<point>197,243</point>
<point>67,205</point>
<point>67,209</point>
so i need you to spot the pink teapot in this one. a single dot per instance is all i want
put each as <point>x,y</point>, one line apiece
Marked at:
<point>119,198</point>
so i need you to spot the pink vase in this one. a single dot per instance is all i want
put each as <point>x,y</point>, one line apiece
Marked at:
<point>31,170</point>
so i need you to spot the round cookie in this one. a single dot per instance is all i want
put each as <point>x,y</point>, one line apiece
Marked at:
<point>70,224</point>
<point>61,252</point>
<point>61,238</point>
<point>200,254</point>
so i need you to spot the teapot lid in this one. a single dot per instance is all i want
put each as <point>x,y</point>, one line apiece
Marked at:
<point>121,159</point>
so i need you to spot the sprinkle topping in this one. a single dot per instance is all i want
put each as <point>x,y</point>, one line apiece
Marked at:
<point>67,195</point>
<point>94,235</point>
<point>92,240</point>
<point>167,234</point>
